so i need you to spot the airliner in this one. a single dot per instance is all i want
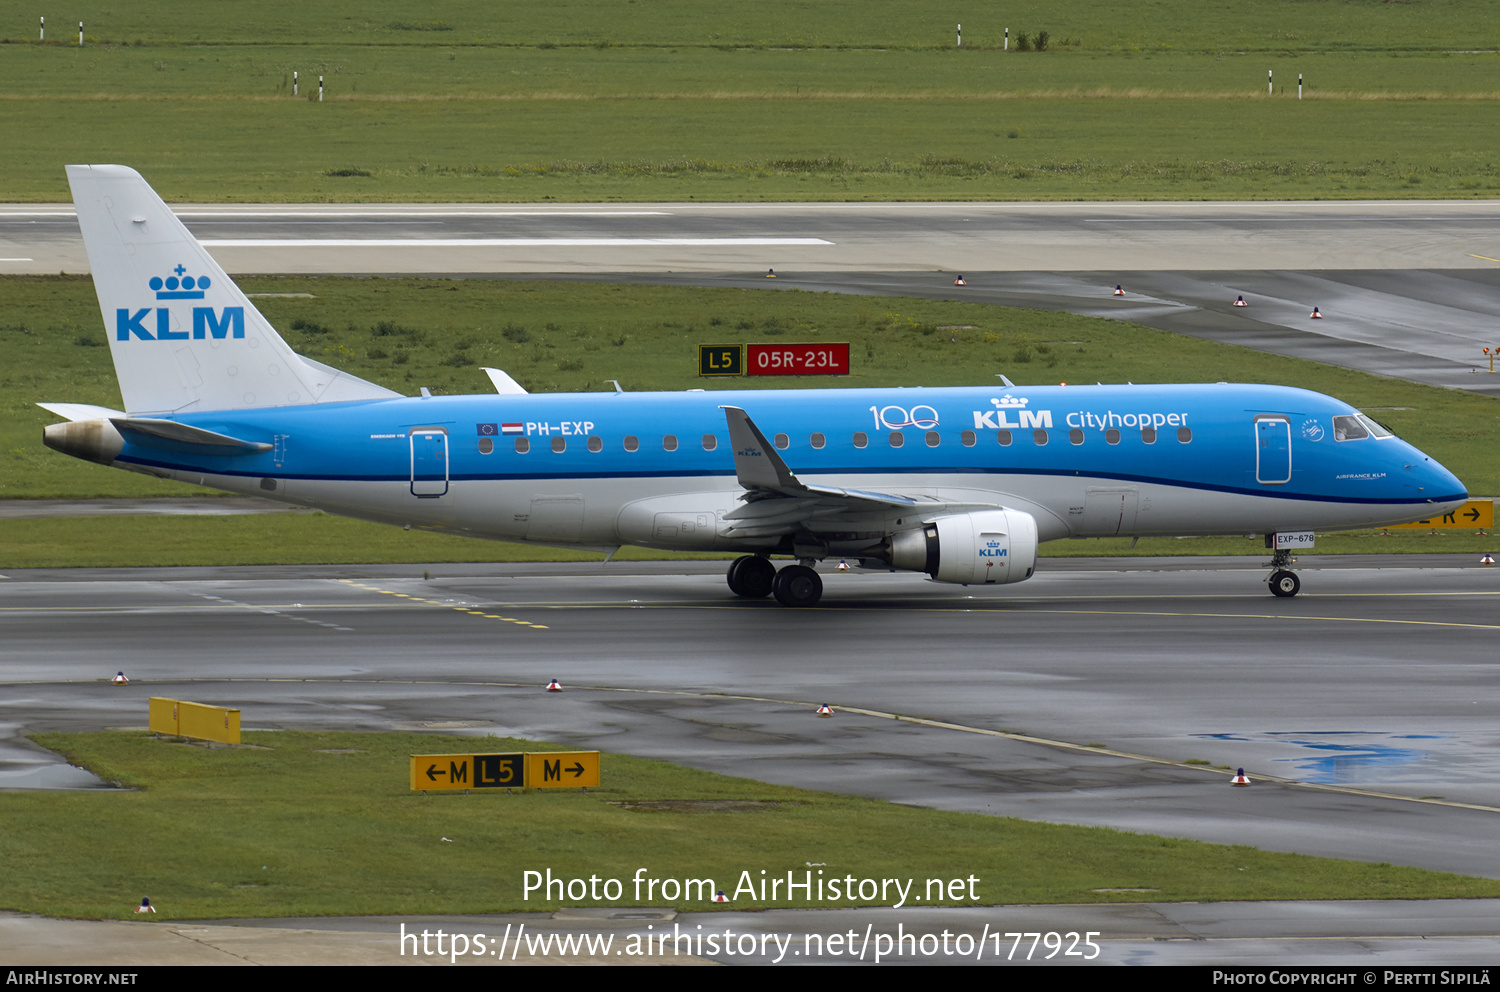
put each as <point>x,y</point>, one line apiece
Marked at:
<point>962,484</point>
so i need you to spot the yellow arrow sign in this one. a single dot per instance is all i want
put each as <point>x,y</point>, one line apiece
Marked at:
<point>1475,514</point>
<point>562,769</point>
<point>467,771</point>
<point>551,770</point>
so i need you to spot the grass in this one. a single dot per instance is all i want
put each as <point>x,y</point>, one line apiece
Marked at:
<point>1085,25</point>
<point>304,824</point>
<point>833,100</point>
<point>316,539</point>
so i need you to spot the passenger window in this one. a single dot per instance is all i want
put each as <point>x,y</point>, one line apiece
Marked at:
<point>860,439</point>
<point>559,444</point>
<point>1184,435</point>
<point>1004,438</point>
<point>710,442</point>
<point>782,441</point>
<point>1148,435</point>
<point>932,439</point>
<point>1040,437</point>
<point>486,445</point>
<point>897,439</point>
<point>817,441</point>
<point>1076,436</point>
<point>968,439</point>
<point>669,443</point>
<point>632,443</point>
<point>596,444</point>
<point>522,446</point>
<point>1112,436</point>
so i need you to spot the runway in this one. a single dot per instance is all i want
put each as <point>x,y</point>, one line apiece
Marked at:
<point>1375,680</point>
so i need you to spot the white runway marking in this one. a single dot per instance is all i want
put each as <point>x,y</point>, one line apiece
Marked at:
<point>497,242</point>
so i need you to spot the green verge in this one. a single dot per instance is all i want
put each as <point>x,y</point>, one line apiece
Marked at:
<point>786,100</point>
<point>1094,25</point>
<point>316,539</point>
<point>306,824</point>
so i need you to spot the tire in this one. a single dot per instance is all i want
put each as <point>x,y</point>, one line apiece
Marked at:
<point>1285,584</point>
<point>751,577</point>
<point>798,585</point>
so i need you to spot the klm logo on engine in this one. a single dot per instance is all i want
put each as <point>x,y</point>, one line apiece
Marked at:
<point>992,549</point>
<point>207,323</point>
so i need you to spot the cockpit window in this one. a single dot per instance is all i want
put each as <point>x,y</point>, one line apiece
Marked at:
<point>1349,429</point>
<point>1374,425</point>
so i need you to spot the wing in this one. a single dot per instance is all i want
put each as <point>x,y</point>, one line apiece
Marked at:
<point>778,503</point>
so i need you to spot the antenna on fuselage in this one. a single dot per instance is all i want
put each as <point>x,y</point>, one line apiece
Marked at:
<point>1008,383</point>
<point>618,388</point>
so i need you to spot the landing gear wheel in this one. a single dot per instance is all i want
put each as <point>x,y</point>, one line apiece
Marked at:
<point>1285,584</point>
<point>797,585</point>
<point>751,576</point>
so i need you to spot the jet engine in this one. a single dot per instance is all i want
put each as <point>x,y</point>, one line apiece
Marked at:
<point>970,548</point>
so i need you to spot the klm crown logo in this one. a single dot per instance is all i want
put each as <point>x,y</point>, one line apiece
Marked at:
<point>207,323</point>
<point>1009,401</point>
<point>178,286</point>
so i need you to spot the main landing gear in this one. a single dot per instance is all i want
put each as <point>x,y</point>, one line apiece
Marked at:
<point>754,577</point>
<point>1283,581</point>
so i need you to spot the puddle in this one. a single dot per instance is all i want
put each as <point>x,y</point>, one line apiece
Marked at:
<point>1342,757</point>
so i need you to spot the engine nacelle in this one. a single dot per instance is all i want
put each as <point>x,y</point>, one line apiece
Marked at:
<point>970,548</point>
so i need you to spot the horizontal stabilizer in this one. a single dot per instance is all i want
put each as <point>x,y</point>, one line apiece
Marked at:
<point>170,434</point>
<point>81,411</point>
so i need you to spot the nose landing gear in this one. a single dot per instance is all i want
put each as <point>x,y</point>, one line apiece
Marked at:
<point>1283,581</point>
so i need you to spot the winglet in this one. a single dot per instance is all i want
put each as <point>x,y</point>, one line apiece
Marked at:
<point>756,463</point>
<point>503,383</point>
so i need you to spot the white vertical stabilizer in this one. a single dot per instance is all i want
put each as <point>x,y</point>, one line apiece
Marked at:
<point>183,336</point>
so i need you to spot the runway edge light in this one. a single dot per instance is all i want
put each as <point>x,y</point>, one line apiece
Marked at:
<point>1119,291</point>
<point>1239,778</point>
<point>825,710</point>
<point>1239,301</point>
<point>554,686</point>
<point>120,679</point>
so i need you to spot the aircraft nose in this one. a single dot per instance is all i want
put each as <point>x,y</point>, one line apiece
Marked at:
<point>1437,484</point>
